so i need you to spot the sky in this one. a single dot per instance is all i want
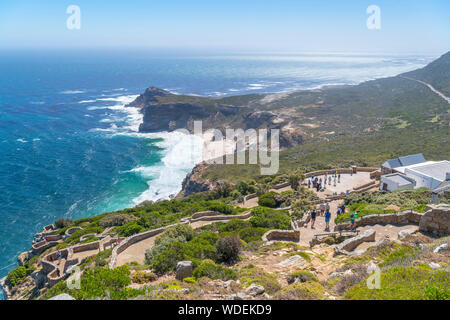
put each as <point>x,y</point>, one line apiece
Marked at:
<point>236,25</point>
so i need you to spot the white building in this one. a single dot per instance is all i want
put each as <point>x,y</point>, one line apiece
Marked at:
<point>429,174</point>
<point>400,171</point>
<point>396,181</point>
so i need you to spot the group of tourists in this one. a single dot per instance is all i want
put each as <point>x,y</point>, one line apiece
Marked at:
<point>319,184</point>
<point>316,183</point>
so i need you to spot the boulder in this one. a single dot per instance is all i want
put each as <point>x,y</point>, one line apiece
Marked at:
<point>442,247</point>
<point>402,234</point>
<point>184,270</point>
<point>434,265</point>
<point>293,261</point>
<point>255,290</point>
<point>238,296</point>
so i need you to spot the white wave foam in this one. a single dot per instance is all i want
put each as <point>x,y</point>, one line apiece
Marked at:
<point>87,101</point>
<point>181,153</point>
<point>72,91</point>
<point>22,140</point>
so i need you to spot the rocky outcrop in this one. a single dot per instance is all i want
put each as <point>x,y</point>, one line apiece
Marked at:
<point>255,290</point>
<point>402,234</point>
<point>436,220</point>
<point>194,181</point>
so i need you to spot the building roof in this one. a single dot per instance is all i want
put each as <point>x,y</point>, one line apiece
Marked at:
<point>399,179</point>
<point>444,186</point>
<point>404,161</point>
<point>403,169</point>
<point>437,170</point>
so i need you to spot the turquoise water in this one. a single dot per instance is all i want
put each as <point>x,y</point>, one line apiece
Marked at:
<point>69,147</point>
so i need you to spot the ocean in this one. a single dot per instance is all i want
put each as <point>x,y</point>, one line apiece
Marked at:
<point>69,148</point>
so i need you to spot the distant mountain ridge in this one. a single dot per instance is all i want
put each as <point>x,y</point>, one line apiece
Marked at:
<point>436,73</point>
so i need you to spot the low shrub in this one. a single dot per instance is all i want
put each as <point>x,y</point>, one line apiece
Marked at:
<point>210,269</point>
<point>254,275</point>
<point>16,275</point>
<point>268,199</point>
<point>270,218</point>
<point>63,222</point>
<point>228,248</point>
<point>311,290</point>
<point>301,276</point>
<point>410,283</point>
<point>143,277</point>
<point>189,280</point>
<point>114,220</point>
<point>129,228</point>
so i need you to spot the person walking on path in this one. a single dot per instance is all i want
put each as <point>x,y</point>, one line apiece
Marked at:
<point>353,217</point>
<point>313,218</point>
<point>59,255</point>
<point>309,183</point>
<point>327,220</point>
<point>329,180</point>
<point>339,178</point>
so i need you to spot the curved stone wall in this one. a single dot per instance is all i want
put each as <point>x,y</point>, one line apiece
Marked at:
<point>281,235</point>
<point>404,217</point>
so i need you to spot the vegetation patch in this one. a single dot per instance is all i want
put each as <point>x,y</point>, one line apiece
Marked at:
<point>410,283</point>
<point>311,290</point>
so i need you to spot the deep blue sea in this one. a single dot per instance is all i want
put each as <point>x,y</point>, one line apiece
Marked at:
<point>69,148</point>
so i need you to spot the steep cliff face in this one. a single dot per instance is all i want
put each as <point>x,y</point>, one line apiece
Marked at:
<point>194,182</point>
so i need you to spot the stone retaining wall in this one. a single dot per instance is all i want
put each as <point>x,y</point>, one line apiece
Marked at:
<point>71,230</point>
<point>350,244</point>
<point>286,235</point>
<point>43,245</point>
<point>204,213</point>
<point>371,183</point>
<point>222,217</point>
<point>281,185</point>
<point>436,220</point>
<point>250,196</point>
<point>404,217</point>
<point>366,169</point>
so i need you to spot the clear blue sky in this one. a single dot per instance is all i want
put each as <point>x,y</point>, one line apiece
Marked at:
<point>240,25</point>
